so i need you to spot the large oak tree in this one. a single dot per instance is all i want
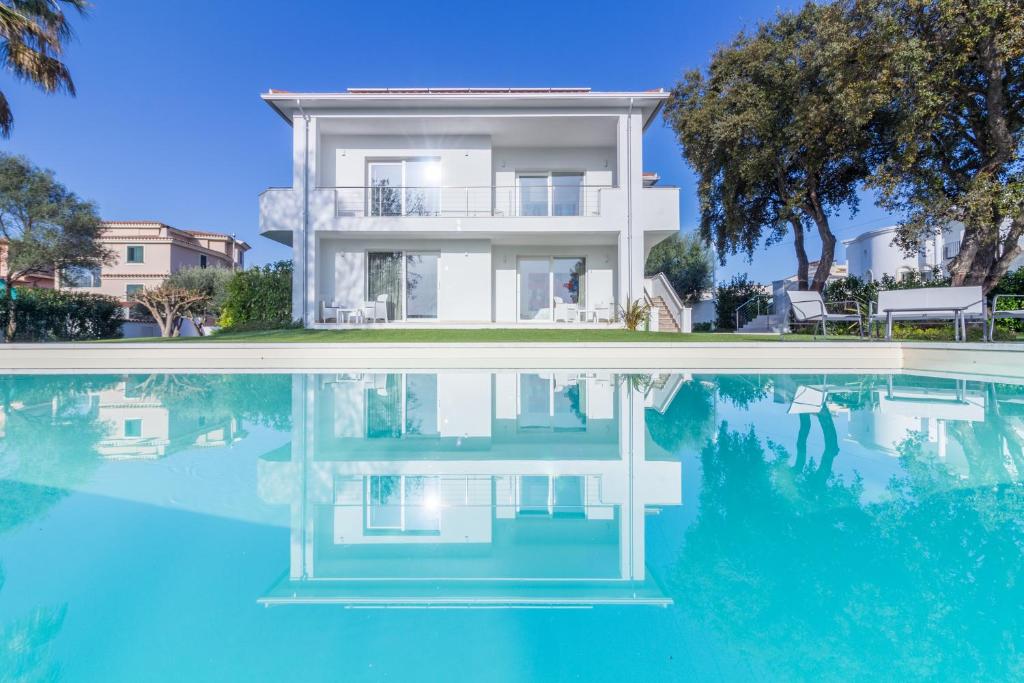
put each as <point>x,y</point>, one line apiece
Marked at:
<point>949,76</point>
<point>776,145</point>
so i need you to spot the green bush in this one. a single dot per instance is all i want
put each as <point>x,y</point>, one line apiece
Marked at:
<point>733,294</point>
<point>259,298</point>
<point>1012,283</point>
<point>53,315</point>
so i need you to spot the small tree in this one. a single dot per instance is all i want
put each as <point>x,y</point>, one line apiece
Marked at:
<point>687,264</point>
<point>213,282</point>
<point>45,225</point>
<point>169,304</point>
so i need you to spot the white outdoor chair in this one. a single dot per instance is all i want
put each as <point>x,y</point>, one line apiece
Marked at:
<point>604,311</point>
<point>1006,314</point>
<point>372,311</point>
<point>327,310</point>
<point>958,305</point>
<point>809,308</point>
<point>566,312</point>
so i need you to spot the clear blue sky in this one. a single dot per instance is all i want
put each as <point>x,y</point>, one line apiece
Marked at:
<point>168,124</point>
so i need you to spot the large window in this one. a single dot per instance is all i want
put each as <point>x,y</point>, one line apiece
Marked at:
<point>551,194</point>
<point>545,282</point>
<point>403,504</point>
<point>80,276</point>
<point>408,279</point>
<point>405,187</point>
<point>135,254</point>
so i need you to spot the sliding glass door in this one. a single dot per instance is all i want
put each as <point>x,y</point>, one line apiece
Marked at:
<point>384,277</point>
<point>546,281</point>
<point>409,279</point>
<point>421,284</point>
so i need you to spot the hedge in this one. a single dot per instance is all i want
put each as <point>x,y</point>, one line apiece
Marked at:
<point>55,315</point>
<point>259,298</point>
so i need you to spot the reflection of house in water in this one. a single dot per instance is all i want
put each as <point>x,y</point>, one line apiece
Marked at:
<point>926,410</point>
<point>141,427</point>
<point>467,488</point>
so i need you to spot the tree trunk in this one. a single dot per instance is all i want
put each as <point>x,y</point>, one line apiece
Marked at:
<point>802,264</point>
<point>828,242</point>
<point>12,322</point>
<point>983,260</point>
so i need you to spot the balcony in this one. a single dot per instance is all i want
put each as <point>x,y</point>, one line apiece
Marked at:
<point>466,202</point>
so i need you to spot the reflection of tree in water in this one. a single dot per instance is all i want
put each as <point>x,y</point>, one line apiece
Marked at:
<point>800,577</point>
<point>25,644</point>
<point>688,421</point>
<point>51,430</point>
<point>263,399</point>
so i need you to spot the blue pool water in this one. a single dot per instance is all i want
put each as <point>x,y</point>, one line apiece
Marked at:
<point>510,526</point>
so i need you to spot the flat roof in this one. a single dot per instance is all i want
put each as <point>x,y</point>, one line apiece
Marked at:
<point>287,103</point>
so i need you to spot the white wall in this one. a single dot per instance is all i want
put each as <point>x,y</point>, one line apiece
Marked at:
<point>599,288</point>
<point>876,253</point>
<point>465,160</point>
<point>464,277</point>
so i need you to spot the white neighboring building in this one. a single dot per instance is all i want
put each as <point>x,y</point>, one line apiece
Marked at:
<point>872,254</point>
<point>468,205</point>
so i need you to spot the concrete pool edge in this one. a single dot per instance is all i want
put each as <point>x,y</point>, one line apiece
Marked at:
<point>994,359</point>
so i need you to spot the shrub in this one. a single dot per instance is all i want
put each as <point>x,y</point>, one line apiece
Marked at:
<point>636,315</point>
<point>1012,283</point>
<point>54,315</point>
<point>212,282</point>
<point>731,295</point>
<point>702,327</point>
<point>259,298</point>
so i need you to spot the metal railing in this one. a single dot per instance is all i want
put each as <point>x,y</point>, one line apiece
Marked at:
<point>751,308</point>
<point>480,200</point>
<point>951,249</point>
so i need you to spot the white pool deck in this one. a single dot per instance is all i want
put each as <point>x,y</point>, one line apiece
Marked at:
<point>994,360</point>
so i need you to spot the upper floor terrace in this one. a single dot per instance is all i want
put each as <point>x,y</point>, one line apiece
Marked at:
<point>464,159</point>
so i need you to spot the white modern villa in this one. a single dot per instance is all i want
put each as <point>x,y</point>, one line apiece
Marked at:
<point>481,206</point>
<point>872,254</point>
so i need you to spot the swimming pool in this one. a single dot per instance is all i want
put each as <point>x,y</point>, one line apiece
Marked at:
<point>473,525</point>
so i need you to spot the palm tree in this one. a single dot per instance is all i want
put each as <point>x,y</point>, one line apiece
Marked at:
<point>32,35</point>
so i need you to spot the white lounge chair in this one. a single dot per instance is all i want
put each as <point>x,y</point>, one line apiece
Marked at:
<point>1005,314</point>
<point>604,311</point>
<point>810,308</point>
<point>958,305</point>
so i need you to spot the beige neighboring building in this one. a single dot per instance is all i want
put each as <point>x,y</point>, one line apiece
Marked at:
<point>146,252</point>
<point>41,280</point>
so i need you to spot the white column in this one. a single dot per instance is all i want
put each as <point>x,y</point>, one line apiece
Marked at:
<point>630,179</point>
<point>304,180</point>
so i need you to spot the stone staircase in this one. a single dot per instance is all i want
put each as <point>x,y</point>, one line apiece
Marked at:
<point>761,323</point>
<point>666,323</point>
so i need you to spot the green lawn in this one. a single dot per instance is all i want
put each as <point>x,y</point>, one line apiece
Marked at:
<point>398,335</point>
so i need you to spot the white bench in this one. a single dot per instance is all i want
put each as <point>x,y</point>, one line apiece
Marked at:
<point>930,304</point>
<point>1004,314</point>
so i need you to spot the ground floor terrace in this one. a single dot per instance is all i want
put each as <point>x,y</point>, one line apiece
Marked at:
<point>539,280</point>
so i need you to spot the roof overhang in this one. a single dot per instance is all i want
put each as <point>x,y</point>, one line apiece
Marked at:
<point>290,104</point>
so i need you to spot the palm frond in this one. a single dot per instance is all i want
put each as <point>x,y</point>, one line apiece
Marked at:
<point>6,117</point>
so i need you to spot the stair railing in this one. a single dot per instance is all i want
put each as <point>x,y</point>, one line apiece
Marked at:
<point>752,308</point>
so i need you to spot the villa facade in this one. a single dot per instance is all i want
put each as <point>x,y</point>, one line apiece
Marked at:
<point>147,252</point>
<point>468,205</point>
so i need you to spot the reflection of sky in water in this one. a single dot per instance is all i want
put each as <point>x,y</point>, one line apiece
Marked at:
<point>720,526</point>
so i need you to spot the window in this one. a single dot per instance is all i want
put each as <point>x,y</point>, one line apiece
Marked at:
<point>133,429</point>
<point>545,282</point>
<point>405,187</point>
<point>403,504</point>
<point>134,311</point>
<point>202,260</point>
<point>80,276</point>
<point>951,249</point>
<point>551,194</point>
<point>134,254</point>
